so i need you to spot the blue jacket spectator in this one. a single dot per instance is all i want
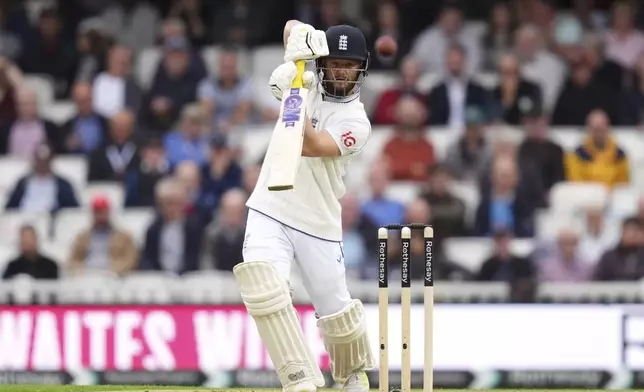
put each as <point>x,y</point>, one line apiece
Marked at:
<point>42,190</point>
<point>220,174</point>
<point>189,142</point>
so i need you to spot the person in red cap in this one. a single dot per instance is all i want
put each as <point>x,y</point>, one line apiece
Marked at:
<point>103,246</point>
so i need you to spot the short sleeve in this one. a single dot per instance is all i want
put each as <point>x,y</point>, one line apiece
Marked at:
<point>350,134</point>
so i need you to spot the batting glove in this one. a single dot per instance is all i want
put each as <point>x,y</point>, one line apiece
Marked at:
<point>305,43</point>
<point>283,76</point>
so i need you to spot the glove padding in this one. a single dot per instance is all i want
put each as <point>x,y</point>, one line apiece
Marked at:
<point>283,76</point>
<point>305,43</point>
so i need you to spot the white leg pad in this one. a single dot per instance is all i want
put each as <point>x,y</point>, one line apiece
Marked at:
<point>268,300</point>
<point>346,341</point>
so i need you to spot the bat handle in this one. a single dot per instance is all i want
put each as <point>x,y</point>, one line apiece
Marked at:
<point>301,67</point>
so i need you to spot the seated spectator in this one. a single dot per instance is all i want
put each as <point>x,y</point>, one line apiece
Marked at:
<point>29,130</point>
<point>539,151</point>
<point>250,177</point>
<point>141,180</point>
<point>190,141</point>
<point>565,265</point>
<point>431,44</point>
<point>173,240</point>
<point>387,23</point>
<point>450,98</point>
<point>539,64</point>
<point>418,211</point>
<point>30,261</point>
<point>625,262</point>
<point>47,51</point>
<point>173,87</point>
<point>103,246</point>
<point>503,265</point>
<point>133,23</point>
<point>385,112</point>
<point>225,235</point>
<point>409,153</point>
<point>507,204</point>
<point>598,158</point>
<point>514,93</point>
<point>598,235</point>
<point>580,95</point>
<point>189,175</point>
<point>220,174</point>
<point>498,39</point>
<point>11,81</point>
<point>242,23</point>
<point>42,190</point>
<point>118,155</point>
<point>173,28</point>
<point>466,157</point>
<point>354,244</point>
<point>624,43</point>
<point>87,130</point>
<point>92,44</point>
<point>448,211</point>
<point>226,98</point>
<point>192,16</point>
<point>379,208</point>
<point>114,90</point>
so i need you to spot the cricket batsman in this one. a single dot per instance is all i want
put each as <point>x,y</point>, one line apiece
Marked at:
<point>303,225</point>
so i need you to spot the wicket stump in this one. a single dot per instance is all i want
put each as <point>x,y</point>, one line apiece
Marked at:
<point>405,300</point>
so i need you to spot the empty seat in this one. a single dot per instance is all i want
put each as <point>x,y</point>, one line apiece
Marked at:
<point>7,253</point>
<point>469,193</point>
<point>136,222</point>
<point>59,112</point>
<point>265,59</point>
<point>114,192</point>
<point>146,66</point>
<point>12,170</point>
<point>576,196</point>
<point>403,191</point>
<point>255,142</point>
<point>89,287</point>
<point>43,86</point>
<point>209,287</point>
<point>148,288</point>
<point>427,82</point>
<point>58,251</point>
<point>73,169</point>
<point>469,253</point>
<point>623,201</point>
<point>549,223</point>
<point>12,221</point>
<point>69,222</point>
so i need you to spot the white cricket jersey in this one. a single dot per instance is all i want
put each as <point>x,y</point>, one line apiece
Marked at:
<point>312,205</point>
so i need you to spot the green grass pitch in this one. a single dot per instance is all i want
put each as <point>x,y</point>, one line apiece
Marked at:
<point>139,388</point>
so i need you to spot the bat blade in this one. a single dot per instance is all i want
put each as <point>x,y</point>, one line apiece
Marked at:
<point>285,147</point>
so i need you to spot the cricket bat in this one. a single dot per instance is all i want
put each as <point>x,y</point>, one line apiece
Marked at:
<point>285,146</point>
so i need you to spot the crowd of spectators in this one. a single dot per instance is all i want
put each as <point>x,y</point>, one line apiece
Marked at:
<point>171,145</point>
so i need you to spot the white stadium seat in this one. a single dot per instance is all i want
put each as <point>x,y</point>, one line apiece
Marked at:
<point>403,191</point>
<point>469,253</point>
<point>58,112</point>
<point>146,65</point>
<point>12,221</point>
<point>136,222</point>
<point>147,288</point>
<point>69,222</point>
<point>43,86</point>
<point>623,201</point>
<point>90,287</point>
<point>574,196</point>
<point>7,252</point>
<point>266,59</point>
<point>12,170</point>
<point>73,169</point>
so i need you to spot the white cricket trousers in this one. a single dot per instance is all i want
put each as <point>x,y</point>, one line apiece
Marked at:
<point>320,262</point>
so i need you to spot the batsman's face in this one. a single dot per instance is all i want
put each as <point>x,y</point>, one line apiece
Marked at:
<point>342,74</point>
